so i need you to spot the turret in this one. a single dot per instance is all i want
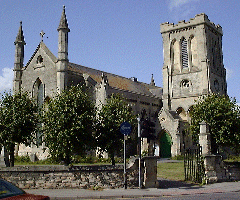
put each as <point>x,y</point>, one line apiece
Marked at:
<point>62,62</point>
<point>19,57</point>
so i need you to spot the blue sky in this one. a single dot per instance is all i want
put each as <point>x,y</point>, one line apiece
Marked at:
<point>117,36</point>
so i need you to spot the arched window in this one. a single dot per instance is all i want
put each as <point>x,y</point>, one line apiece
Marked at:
<point>193,52</point>
<point>175,52</point>
<point>172,53</point>
<point>38,94</point>
<point>216,85</point>
<point>184,53</point>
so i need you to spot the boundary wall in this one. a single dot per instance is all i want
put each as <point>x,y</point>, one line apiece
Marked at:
<point>58,177</point>
<point>82,177</point>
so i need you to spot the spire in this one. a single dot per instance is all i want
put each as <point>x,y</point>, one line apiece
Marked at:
<point>62,64</point>
<point>20,37</point>
<point>19,57</point>
<point>152,81</point>
<point>63,22</point>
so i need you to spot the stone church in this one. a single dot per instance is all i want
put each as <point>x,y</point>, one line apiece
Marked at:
<point>193,66</point>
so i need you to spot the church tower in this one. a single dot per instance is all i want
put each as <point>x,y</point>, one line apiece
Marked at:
<point>62,62</point>
<point>19,57</point>
<point>193,62</point>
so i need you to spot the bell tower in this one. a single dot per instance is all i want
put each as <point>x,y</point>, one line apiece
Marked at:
<point>193,62</point>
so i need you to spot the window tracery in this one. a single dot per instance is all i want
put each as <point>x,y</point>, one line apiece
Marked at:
<point>39,59</point>
<point>185,83</point>
<point>39,62</point>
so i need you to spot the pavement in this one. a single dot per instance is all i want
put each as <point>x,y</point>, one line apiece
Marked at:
<point>167,188</point>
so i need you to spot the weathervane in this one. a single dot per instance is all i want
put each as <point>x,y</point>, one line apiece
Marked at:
<point>42,34</point>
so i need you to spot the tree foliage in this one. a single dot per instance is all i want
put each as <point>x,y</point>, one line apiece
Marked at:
<point>110,117</point>
<point>18,121</point>
<point>68,124</point>
<point>223,117</point>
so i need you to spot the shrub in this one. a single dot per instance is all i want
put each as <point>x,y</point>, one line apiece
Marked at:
<point>22,159</point>
<point>232,158</point>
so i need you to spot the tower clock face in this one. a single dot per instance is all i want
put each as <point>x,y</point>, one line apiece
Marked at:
<point>216,85</point>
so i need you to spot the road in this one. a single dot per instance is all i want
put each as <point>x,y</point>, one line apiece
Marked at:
<point>214,196</point>
<point>168,190</point>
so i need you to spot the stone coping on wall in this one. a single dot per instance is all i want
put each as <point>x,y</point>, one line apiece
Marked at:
<point>61,168</point>
<point>84,176</point>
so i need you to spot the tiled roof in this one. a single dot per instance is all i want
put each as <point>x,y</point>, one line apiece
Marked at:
<point>115,81</point>
<point>174,114</point>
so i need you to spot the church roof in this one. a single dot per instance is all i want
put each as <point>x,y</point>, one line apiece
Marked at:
<point>114,81</point>
<point>170,113</point>
<point>174,114</point>
<point>118,82</point>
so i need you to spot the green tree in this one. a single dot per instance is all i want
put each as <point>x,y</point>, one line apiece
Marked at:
<point>68,122</point>
<point>222,115</point>
<point>110,117</point>
<point>18,121</point>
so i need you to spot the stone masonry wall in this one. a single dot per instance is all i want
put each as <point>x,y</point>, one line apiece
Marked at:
<point>217,170</point>
<point>102,176</point>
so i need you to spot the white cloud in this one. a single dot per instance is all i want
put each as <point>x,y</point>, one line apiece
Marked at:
<point>178,3</point>
<point>6,79</point>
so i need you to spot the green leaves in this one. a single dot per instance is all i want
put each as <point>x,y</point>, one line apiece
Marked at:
<point>110,117</point>
<point>18,119</point>
<point>68,123</point>
<point>222,115</point>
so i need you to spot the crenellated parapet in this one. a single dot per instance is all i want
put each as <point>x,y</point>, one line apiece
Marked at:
<point>191,24</point>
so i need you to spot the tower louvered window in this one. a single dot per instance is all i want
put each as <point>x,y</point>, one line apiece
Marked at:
<point>184,53</point>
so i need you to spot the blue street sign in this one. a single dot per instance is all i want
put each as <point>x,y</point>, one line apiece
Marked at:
<point>126,128</point>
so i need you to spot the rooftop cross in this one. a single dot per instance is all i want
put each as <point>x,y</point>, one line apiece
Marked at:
<point>42,34</point>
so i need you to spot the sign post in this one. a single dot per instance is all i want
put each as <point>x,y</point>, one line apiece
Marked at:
<point>139,143</point>
<point>126,130</point>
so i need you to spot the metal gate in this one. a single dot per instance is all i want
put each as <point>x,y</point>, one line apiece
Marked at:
<point>193,164</point>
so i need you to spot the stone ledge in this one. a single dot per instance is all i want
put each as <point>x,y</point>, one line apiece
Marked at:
<point>61,168</point>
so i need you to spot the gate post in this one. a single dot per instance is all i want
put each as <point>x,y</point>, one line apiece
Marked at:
<point>205,138</point>
<point>214,170</point>
<point>150,172</point>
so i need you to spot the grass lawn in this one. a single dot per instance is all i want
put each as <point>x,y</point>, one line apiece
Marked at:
<point>171,171</point>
